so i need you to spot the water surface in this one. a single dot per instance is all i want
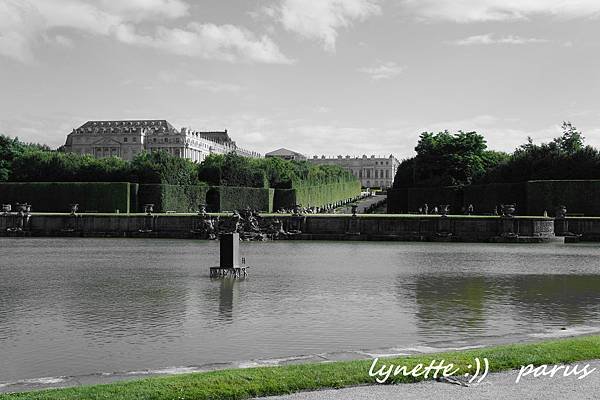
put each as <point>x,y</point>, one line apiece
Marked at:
<point>71,307</point>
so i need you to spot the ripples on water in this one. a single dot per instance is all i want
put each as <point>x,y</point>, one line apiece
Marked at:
<point>81,306</point>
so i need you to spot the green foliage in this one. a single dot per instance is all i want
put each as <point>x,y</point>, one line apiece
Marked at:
<point>232,170</point>
<point>316,196</point>
<point>179,198</point>
<point>56,196</point>
<point>21,162</point>
<point>46,166</point>
<point>11,149</point>
<point>161,167</point>
<point>580,196</point>
<point>237,198</point>
<point>565,157</point>
<point>446,159</point>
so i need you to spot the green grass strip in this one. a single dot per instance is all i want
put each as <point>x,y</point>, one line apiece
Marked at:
<point>268,381</point>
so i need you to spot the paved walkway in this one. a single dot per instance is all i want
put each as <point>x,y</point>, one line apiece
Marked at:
<point>498,386</point>
<point>363,204</point>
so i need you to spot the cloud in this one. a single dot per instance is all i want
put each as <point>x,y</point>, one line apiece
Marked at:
<point>385,70</point>
<point>491,39</point>
<point>147,9</point>
<point>321,19</point>
<point>28,20</point>
<point>220,42</point>
<point>18,29</point>
<point>499,10</point>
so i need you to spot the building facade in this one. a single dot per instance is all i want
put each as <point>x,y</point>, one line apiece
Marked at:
<point>286,155</point>
<point>126,139</point>
<point>371,171</point>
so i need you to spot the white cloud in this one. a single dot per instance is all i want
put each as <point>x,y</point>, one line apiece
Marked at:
<point>491,39</point>
<point>28,20</point>
<point>321,19</point>
<point>18,28</point>
<point>138,10</point>
<point>499,10</point>
<point>385,70</point>
<point>63,41</point>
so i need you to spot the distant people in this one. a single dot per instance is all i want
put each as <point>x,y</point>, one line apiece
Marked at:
<point>420,210</point>
<point>435,210</point>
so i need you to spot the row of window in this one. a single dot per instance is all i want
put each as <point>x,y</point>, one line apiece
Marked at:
<point>367,173</point>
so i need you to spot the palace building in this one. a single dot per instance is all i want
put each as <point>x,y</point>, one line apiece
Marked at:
<point>126,139</point>
<point>371,171</point>
<point>286,154</point>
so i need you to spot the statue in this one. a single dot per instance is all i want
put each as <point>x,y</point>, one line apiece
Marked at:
<point>561,211</point>
<point>508,210</point>
<point>445,210</point>
<point>148,209</point>
<point>297,211</point>
<point>74,208</point>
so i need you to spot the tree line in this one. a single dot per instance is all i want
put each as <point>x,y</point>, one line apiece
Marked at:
<point>24,162</point>
<point>446,159</point>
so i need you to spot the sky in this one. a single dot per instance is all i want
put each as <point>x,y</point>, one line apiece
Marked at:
<point>333,77</point>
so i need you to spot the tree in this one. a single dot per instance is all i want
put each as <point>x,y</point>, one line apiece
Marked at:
<point>571,141</point>
<point>446,159</point>
<point>565,157</point>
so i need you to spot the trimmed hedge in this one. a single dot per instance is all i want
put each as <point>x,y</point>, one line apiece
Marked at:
<point>485,198</point>
<point>580,196</point>
<point>531,198</point>
<point>316,196</point>
<point>236,198</point>
<point>56,196</point>
<point>179,198</point>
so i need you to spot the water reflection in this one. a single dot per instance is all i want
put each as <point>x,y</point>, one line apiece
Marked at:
<point>473,303</point>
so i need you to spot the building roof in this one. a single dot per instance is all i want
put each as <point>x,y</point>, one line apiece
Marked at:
<point>217,136</point>
<point>126,126</point>
<point>283,152</point>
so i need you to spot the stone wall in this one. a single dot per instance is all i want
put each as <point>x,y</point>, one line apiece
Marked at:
<point>311,227</point>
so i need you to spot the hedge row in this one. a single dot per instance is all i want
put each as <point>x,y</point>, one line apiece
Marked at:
<point>216,198</point>
<point>56,196</point>
<point>231,198</point>
<point>179,198</point>
<point>532,197</point>
<point>129,197</point>
<point>580,196</point>
<point>316,196</point>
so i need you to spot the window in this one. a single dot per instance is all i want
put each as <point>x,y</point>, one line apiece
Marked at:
<point>125,140</point>
<point>134,139</point>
